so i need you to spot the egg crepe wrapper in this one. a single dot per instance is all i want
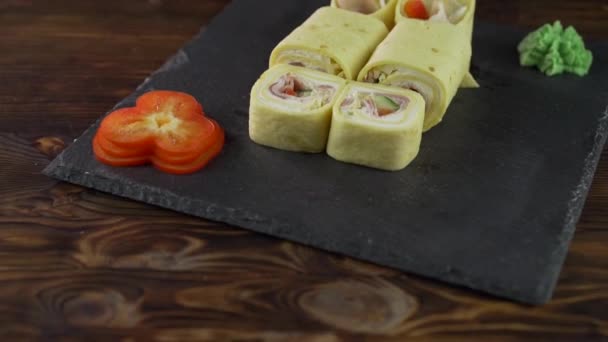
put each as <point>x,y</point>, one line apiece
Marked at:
<point>431,58</point>
<point>386,14</point>
<point>332,40</point>
<point>466,24</point>
<point>388,142</point>
<point>299,124</point>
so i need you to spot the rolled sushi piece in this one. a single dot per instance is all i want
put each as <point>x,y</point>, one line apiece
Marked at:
<point>429,58</point>
<point>460,13</point>
<point>290,108</point>
<point>376,126</point>
<point>379,9</point>
<point>332,40</point>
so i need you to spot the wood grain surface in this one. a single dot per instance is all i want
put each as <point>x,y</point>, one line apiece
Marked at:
<point>76,264</point>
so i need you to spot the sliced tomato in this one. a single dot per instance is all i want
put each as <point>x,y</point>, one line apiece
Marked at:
<point>193,166</point>
<point>416,9</point>
<point>385,111</point>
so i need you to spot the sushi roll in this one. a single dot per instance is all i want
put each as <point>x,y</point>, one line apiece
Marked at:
<point>434,64</point>
<point>332,40</point>
<point>290,108</point>
<point>376,126</point>
<point>380,9</point>
<point>460,13</point>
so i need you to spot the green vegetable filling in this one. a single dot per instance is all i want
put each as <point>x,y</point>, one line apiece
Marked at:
<point>303,92</point>
<point>555,51</point>
<point>385,104</point>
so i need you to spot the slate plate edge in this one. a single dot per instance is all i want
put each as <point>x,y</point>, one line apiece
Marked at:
<point>575,207</point>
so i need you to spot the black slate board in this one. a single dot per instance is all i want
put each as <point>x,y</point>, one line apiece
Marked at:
<point>491,203</point>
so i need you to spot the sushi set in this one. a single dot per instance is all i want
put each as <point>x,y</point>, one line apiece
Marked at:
<point>283,118</point>
<point>424,58</point>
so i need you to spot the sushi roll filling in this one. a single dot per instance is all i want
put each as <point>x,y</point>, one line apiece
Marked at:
<point>294,88</point>
<point>391,76</point>
<point>362,6</point>
<point>375,105</point>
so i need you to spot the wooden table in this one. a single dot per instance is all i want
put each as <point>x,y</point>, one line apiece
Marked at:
<point>78,263</point>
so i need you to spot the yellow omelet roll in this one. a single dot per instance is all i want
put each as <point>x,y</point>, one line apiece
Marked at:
<point>430,58</point>
<point>460,13</point>
<point>332,40</point>
<point>376,126</point>
<point>290,108</point>
<point>380,9</point>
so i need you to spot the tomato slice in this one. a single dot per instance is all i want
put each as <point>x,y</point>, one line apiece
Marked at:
<point>416,9</point>
<point>109,159</point>
<point>195,165</point>
<point>289,91</point>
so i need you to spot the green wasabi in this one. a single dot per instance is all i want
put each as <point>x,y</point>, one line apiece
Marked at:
<point>555,51</point>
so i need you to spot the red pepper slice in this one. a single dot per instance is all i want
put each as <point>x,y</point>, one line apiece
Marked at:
<point>416,9</point>
<point>107,157</point>
<point>165,128</point>
<point>195,165</point>
<point>166,152</point>
<point>121,152</point>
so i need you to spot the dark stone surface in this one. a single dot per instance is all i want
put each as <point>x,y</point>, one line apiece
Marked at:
<point>491,202</point>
